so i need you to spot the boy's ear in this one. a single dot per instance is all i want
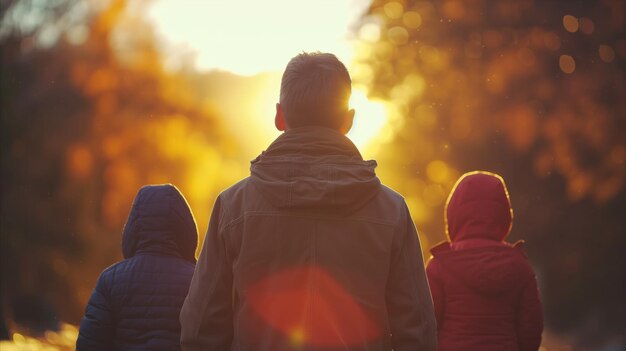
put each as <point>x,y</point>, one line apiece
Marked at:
<point>279,119</point>
<point>347,121</point>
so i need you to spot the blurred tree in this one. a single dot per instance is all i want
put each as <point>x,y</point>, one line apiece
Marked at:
<point>533,90</point>
<point>89,115</point>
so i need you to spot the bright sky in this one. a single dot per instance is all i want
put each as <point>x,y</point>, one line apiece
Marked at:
<point>248,37</point>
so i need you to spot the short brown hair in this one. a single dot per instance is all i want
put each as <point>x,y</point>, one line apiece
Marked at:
<point>314,90</point>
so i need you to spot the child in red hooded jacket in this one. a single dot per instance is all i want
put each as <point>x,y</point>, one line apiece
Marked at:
<point>483,288</point>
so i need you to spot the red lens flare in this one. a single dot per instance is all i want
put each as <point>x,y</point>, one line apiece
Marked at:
<point>309,307</point>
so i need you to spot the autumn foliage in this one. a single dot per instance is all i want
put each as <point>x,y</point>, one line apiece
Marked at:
<point>532,90</point>
<point>84,125</point>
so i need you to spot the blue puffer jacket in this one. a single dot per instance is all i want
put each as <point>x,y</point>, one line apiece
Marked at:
<point>136,302</point>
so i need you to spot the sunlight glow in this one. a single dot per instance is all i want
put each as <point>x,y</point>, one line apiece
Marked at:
<point>252,37</point>
<point>249,37</point>
<point>369,118</point>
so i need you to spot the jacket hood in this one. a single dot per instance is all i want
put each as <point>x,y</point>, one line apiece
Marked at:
<point>161,222</point>
<point>315,168</point>
<point>489,270</point>
<point>479,208</point>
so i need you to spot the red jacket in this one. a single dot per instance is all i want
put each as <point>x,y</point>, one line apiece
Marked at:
<point>484,290</point>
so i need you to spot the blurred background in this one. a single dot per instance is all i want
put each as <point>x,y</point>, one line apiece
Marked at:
<point>99,97</point>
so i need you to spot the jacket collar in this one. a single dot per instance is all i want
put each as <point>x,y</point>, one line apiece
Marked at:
<point>311,141</point>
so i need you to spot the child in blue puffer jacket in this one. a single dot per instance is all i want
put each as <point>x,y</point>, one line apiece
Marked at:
<point>136,302</point>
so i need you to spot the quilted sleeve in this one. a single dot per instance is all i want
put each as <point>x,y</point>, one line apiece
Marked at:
<point>530,317</point>
<point>97,326</point>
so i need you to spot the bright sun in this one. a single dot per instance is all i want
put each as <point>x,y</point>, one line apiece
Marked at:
<point>369,118</point>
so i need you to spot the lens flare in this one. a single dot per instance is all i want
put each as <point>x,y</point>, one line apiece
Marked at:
<point>309,307</point>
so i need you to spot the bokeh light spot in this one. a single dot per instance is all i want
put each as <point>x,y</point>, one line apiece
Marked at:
<point>393,10</point>
<point>370,32</point>
<point>570,23</point>
<point>398,35</point>
<point>607,54</point>
<point>567,64</point>
<point>412,19</point>
<point>438,171</point>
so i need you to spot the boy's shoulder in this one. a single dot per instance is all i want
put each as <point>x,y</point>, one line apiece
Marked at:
<point>519,248</point>
<point>516,248</point>
<point>441,247</point>
<point>108,276</point>
<point>507,262</point>
<point>111,270</point>
<point>513,254</point>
